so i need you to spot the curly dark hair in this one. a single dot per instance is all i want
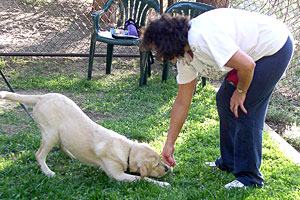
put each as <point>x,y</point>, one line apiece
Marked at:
<point>168,34</point>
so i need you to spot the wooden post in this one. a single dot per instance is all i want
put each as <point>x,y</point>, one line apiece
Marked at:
<point>216,3</point>
<point>161,3</point>
<point>170,2</point>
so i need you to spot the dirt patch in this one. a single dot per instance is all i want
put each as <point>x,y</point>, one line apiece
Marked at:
<point>49,26</point>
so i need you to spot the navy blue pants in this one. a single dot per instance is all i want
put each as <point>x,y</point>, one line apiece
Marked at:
<point>241,139</point>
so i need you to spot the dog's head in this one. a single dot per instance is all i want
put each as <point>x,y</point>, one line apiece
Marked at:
<point>146,161</point>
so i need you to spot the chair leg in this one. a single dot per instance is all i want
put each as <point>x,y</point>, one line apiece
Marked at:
<point>143,67</point>
<point>109,56</point>
<point>203,80</point>
<point>166,66</point>
<point>91,56</point>
<point>148,65</point>
<point>148,69</point>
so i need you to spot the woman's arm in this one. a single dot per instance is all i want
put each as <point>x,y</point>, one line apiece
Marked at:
<point>244,65</point>
<point>178,115</point>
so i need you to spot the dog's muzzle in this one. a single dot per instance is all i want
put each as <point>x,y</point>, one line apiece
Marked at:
<point>168,169</point>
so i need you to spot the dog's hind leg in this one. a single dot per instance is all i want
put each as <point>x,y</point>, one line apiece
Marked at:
<point>49,139</point>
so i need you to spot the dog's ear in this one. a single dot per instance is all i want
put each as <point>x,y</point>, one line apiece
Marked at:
<point>146,167</point>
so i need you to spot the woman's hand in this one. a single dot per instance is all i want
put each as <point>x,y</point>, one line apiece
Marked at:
<point>168,155</point>
<point>237,100</point>
<point>244,65</point>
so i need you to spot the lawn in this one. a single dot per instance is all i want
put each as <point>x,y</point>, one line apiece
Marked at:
<point>117,102</point>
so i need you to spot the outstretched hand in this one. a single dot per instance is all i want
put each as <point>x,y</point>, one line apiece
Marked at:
<point>168,155</point>
<point>237,100</point>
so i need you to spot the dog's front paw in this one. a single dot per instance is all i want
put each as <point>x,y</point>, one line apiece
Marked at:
<point>49,173</point>
<point>161,184</point>
<point>164,184</point>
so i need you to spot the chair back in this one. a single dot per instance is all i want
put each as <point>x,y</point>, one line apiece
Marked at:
<point>191,9</point>
<point>138,10</point>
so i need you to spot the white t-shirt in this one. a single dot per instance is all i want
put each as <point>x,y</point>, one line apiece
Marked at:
<point>216,35</point>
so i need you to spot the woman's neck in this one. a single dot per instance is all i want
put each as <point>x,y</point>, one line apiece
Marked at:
<point>188,50</point>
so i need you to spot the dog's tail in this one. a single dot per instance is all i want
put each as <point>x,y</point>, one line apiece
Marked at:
<point>26,99</point>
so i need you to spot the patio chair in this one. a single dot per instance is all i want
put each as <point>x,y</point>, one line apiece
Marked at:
<point>126,9</point>
<point>191,9</point>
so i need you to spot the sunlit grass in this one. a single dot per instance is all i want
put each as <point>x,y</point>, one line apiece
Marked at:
<point>118,103</point>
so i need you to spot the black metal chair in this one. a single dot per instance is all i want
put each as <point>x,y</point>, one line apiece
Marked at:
<point>134,9</point>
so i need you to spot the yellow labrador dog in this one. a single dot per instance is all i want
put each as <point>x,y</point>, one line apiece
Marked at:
<point>62,122</point>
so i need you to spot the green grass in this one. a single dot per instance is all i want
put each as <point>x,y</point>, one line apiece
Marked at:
<point>118,103</point>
